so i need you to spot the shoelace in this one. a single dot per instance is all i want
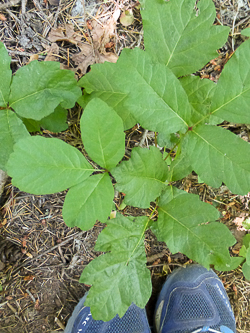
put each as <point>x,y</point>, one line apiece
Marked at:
<point>223,329</point>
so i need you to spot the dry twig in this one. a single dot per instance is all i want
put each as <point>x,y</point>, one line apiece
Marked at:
<point>11,3</point>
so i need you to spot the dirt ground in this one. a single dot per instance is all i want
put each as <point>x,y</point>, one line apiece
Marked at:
<point>41,259</point>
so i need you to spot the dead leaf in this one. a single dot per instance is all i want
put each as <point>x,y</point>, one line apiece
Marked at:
<point>127,18</point>
<point>85,58</point>
<point>63,66</point>
<point>86,49</point>
<point>2,17</point>
<point>156,262</point>
<point>89,26</point>
<point>239,221</point>
<point>9,298</point>
<point>29,278</point>
<point>109,45</point>
<point>54,2</point>
<point>66,34</point>
<point>109,56</point>
<point>238,234</point>
<point>4,222</point>
<point>103,34</point>
<point>52,53</point>
<point>97,32</point>
<point>88,56</point>
<point>33,57</point>
<point>83,62</point>
<point>37,305</point>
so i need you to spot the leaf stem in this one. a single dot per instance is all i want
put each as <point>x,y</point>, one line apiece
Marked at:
<point>142,234</point>
<point>171,151</point>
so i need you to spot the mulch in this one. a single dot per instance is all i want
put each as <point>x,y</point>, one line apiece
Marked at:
<point>41,259</point>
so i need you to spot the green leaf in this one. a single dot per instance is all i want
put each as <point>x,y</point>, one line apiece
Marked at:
<point>121,233</point>
<point>246,271</point>
<point>243,251</point>
<point>104,81</point>
<point>180,37</point>
<point>200,93</point>
<point>102,134</point>
<point>179,168</point>
<point>231,100</point>
<point>11,130</point>
<point>127,18</point>
<point>148,91</point>
<point>31,125</point>
<point>217,156</point>
<point>230,265</point>
<point>120,277</point>
<point>246,223</point>
<point>57,121</point>
<point>168,141</point>
<point>6,75</point>
<point>183,224</point>
<point>246,240</point>
<point>89,201</point>
<point>245,32</point>
<point>142,178</point>
<point>248,256</point>
<point>42,166</point>
<point>39,87</point>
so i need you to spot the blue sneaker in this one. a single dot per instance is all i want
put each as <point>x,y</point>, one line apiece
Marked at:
<point>134,321</point>
<point>193,300</point>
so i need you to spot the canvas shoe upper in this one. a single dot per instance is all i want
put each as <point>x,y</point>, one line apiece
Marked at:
<point>134,321</point>
<point>193,300</point>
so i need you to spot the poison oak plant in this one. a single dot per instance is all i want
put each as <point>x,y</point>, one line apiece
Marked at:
<point>39,93</point>
<point>156,89</point>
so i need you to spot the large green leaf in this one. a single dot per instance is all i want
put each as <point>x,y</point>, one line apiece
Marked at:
<point>6,74</point>
<point>246,240</point>
<point>217,156</point>
<point>120,277</point>
<point>121,233</point>
<point>142,178</point>
<point>248,256</point>
<point>180,37</point>
<point>200,94</point>
<point>183,225</point>
<point>102,134</point>
<point>42,166</point>
<point>11,130</point>
<point>246,266</point>
<point>39,87</point>
<point>246,271</point>
<point>179,168</point>
<point>231,100</point>
<point>89,201</point>
<point>31,125</point>
<point>57,121</point>
<point>150,92</point>
<point>245,32</point>
<point>105,81</point>
<point>230,265</point>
